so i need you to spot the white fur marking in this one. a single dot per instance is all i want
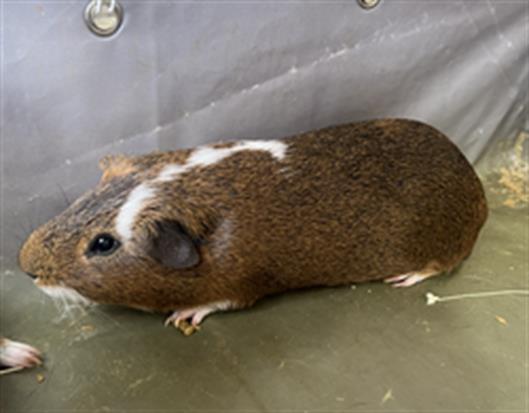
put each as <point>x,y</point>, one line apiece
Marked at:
<point>206,155</point>
<point>169,171</point>
<point>66,299</point>
<point>131,208</point>
<point>202,156</point>
<point>65,294</point>
<point>276,148</point>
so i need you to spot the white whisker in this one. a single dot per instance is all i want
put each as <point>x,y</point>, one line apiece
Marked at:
<point>66,300</point>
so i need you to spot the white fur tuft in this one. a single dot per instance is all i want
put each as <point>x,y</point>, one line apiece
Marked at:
<point>207,155</point>
<point>65,294</point>
<point>66,299</point>
<point>169,172</point>
<point>131,208</point>
<point>275,148</point>
<point>200,157</point>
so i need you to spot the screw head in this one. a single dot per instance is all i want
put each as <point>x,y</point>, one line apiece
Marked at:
<point>103,19</point>
<point>368,4</point>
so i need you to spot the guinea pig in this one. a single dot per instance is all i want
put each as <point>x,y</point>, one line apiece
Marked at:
<point>16,354</point>
<point>220,226</point>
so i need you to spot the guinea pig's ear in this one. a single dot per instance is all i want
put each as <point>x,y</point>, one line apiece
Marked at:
<point>115,165</point>
<point>173,247</point>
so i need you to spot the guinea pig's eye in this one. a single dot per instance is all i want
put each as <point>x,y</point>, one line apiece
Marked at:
<point>103,244</point>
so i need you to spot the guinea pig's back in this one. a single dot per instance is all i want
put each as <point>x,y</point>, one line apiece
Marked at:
<point>367,201</point>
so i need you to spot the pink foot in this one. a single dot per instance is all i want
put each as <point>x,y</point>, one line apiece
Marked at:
<point>15,354</point>
<point>405,280</point>
<point>197,314</point>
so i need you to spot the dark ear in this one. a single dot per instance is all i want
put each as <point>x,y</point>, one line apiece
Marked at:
<point>173,247</point>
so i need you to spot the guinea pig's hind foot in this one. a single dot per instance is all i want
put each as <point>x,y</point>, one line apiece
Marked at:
<point>409,279</point>
<point>15,354</point>
<point>197,314</point>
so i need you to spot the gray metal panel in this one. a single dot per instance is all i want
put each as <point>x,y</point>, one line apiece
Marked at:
<point>180,74</point>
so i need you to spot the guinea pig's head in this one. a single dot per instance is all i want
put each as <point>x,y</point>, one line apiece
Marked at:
<point>120,243</point>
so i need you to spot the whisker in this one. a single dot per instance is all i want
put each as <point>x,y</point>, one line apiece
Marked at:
<point>67,301</point>
<point>66,199</point>
<point>103,314</point>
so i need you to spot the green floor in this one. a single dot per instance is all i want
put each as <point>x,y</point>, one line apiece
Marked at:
<point>365,348</point>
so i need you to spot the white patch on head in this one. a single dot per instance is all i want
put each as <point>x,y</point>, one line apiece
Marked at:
<point>208,155</point>
<point>200,157</point>
<point>168,172</point>
<point>131,208</point>
<point>275,148</point>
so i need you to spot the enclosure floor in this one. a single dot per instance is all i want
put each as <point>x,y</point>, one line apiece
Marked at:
<point>367,348</point>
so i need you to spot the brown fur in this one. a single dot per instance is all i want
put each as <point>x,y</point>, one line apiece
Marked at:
<point>350,203</point>
<point>116,166</point>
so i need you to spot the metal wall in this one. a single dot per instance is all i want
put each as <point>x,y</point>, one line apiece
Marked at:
<point>183,73</point>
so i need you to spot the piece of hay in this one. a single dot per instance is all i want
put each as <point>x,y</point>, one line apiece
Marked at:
<point>501,320</point>
<point>186,328</point>
<point>514,178</point>
<point>10,370</point>
<point>431,298</point>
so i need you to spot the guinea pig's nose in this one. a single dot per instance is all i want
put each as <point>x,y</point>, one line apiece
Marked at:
<point>32,275</point>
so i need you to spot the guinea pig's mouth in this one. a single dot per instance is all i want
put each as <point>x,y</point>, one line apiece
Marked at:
<point>64,295</point>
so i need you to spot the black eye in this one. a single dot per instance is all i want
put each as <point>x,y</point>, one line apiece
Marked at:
<point>103,244</point>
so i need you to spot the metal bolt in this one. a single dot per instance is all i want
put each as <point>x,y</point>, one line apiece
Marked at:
<point>368,4</point>
<point>103,17</point>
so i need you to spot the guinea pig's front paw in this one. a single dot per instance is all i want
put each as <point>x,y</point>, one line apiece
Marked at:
<point>197,314</point>
<point>15,354</point>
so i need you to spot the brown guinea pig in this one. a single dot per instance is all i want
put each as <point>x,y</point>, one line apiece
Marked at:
<point>219,226</point>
